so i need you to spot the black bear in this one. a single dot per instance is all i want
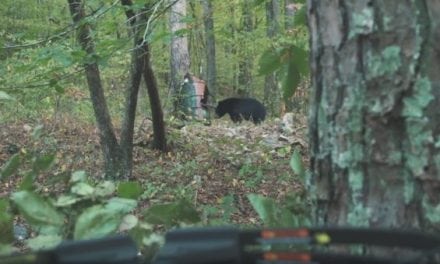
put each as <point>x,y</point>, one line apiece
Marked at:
<point>239,108</point>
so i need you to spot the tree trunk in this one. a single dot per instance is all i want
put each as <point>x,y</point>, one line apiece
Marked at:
<point>374,126</point>
<point>132,92</point>
<point>271,94</point>
<point>141,66</point>
<point>160,141</point>
<point>179,50</point>
<point>231,48</point>
<point>211,74</point>
<point>245,64</point>
<point>112,152</point>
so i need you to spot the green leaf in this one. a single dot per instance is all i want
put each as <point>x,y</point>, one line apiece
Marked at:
<point>270,61</point>
<point>172,214</point>
<point>258,2</point>
<point>96,222</point>
<point>5,96</point>
<point>82,189</point>
<point>228,208</point>
<point>301,59</point>
<point>10,167</point>
<point>6,223</point>
<point>6,249</point>
<point>153,37</point>
<point>78,55</point>
<point>121,205</point>
<point>265,208</point>
<point>291,80</point>
<point>131,190</point>
<point>59,89</point>
<point>37,132</point>
<point>27,184</point>
<point>153,239</point>
<point>37,211</point>
<point>61,57</point>
<point>54,84</point>
<point>105,188</point>
<point>300,17</point>
<point>128,223</point>
<point>43,242</point>
<point>43,163</point>
<point>297,67</point>
<point>66,200</point>
<point>78,176</point>
<point>297,165</point>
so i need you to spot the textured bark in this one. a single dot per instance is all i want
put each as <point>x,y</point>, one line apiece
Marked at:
<point>160,141</point>
<point>231,48</point>
<point>179,49</point>
<point>141,66</point>
<point>245,64</point>
<point>211,71</point>
<point>112,151</point>
<point>132,90</point>
<point>271,93</point>
<point>374,126</point>
<point>132,93</point>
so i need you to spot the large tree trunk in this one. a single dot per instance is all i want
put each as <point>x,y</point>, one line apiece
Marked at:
<point>179,50</point>
<point>112,152</point>
<point>271,94</point>
<point>374,126</point>
<point>211,72</point>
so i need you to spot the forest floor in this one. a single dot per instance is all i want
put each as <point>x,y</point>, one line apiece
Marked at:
<point>205,163</point>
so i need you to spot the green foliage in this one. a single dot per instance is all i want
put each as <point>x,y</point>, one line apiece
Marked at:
<point>228,208</point>
<point>96,221</point>
<point>172,214</point>
<point>44,81</point>
<point>297,165</point>
<point>5,96</point>
<point>10,167</point>
<point>29,164</point>
<point>42,242</point>
<point>219,214</point>
<point>270,61</point>
<point>293,211</point>
<point>90,208</point>
<point>40,213</point>
<point>251,174</point>
<point>87,209</point>
<point>291,214</point>
<point>290,62</point>
<point>6,235</point>
<point>131,190</point>
<point>300,18</point>
<point>42,163</point>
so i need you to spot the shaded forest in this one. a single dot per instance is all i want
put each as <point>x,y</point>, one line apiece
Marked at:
<point>137,117</point>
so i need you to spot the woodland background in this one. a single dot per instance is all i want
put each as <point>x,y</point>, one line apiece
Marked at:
<point>92,141</point>
<point>51,148</point>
